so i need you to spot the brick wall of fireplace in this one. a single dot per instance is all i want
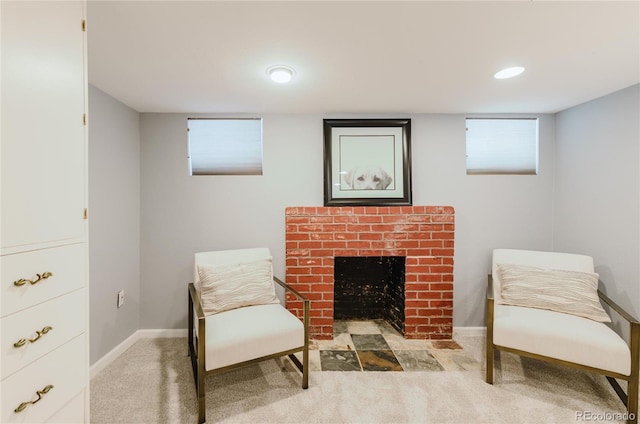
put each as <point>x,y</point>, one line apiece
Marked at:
<point>424,235</point>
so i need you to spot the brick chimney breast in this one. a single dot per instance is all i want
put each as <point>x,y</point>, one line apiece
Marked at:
<point>424,235</point>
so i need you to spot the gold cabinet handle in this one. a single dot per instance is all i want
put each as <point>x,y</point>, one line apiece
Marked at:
<point>39,334</point>
<point>39,277</point>
<point>24,405</point>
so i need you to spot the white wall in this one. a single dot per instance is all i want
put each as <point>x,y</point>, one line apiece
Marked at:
<point>182,215</point>
<point>114,221</point>
<point>597,190</point>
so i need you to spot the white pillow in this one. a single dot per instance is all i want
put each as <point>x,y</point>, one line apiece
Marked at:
<point>224,287</point>
<point>570,292</point>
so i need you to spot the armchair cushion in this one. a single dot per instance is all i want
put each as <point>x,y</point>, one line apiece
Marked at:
<point>561,336</point>
<point>570,292</point>
<point>231,286</point>
<point>249,333</point>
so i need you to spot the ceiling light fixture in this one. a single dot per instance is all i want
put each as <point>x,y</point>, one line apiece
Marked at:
<point>509,72</point>
<point>281,74</point>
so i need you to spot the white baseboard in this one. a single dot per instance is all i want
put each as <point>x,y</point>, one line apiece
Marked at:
<point>470,331</point>
<point>103,362</point>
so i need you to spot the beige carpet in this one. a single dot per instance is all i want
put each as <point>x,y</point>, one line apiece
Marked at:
<point>152,382</point>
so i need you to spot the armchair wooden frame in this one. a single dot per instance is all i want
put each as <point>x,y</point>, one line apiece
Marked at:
<point>630,398</point>
<point>197,347</point>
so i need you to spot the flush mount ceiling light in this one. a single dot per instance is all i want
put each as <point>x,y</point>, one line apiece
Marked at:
<point>509,72</point>
<point>281,74</point>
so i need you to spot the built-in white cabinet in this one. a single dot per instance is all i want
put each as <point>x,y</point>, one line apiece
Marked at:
<point>44,340</point>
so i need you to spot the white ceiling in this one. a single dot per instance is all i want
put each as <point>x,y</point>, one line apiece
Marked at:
<point>361,56</point>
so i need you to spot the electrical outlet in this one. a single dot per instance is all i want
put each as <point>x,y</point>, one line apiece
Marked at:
<point>120,298</point>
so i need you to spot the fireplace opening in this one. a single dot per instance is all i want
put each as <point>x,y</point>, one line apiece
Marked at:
<point>370,287</point>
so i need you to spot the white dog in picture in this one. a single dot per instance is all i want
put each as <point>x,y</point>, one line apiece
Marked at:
<point>371,178</point>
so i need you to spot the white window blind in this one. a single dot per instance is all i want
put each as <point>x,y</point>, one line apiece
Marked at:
<point>225,146</point>
<point>502,146</point>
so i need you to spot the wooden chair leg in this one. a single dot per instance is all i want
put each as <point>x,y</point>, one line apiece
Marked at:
<point>202,373</point>
<point>632,400</point>
<point>305,351</point>
<point>490,362</point>
<point>489,351</point>
<point>201,399</point>
<point>305,368</point>
<point>634,377</point>
<point>199,375</point>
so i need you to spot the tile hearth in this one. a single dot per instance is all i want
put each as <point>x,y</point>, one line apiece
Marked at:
<point>374,345</point>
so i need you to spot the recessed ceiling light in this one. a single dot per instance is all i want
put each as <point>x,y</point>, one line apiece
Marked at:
<point>280,73</point>
<point>509,72</point>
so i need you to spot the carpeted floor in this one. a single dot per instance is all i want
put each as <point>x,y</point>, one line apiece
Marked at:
<point>152,382</point>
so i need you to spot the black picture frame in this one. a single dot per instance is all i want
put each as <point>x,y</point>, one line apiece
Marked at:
<point>367,162</point>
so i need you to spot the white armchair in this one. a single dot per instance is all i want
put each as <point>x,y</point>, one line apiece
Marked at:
<point>235,318</point>
<point>552,312</point>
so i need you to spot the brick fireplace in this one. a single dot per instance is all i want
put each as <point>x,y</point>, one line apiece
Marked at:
<point>424,235</point>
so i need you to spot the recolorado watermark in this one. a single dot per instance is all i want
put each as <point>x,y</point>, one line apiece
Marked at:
<point>604,416</point>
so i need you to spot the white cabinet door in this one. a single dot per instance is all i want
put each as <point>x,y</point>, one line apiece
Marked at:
<point>43,133</point>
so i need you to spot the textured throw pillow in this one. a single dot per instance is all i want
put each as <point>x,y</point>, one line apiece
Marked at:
<point>570,292</point>
<point>224,287</point>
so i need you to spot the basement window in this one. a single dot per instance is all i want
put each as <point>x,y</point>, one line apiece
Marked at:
<point>220,146</point>
<point>502,146</point>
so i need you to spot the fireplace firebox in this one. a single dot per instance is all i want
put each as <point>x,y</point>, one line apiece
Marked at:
<point>370,287</point>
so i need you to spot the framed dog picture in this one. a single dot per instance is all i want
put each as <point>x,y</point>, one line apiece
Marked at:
<point>367,162</point>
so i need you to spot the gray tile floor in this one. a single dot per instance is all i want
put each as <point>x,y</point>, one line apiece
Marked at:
<point>374,345</point>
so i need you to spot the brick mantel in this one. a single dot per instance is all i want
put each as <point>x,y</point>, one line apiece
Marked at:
<point>422,234</point>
